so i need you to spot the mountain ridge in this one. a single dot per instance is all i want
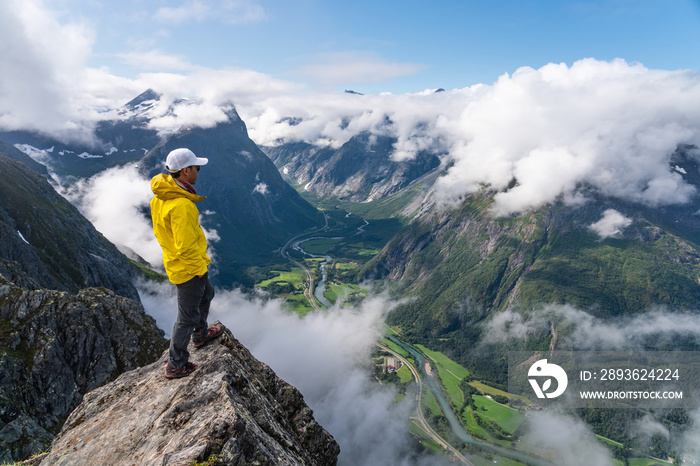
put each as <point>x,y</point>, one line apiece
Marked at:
<point>466,266</point>
<point>48,243</point>
<point>361,170</point>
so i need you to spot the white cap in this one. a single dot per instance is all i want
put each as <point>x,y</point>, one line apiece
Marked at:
<point>182,158</point>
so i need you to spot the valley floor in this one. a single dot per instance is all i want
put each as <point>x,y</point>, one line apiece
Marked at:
<point>467,420</point>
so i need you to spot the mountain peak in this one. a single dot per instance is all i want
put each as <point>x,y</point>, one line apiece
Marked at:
<point>232,407</point>
<point>139,100</point>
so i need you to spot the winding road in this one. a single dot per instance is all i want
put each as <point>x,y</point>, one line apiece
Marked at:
<point>309,291</point>
<point>420,420</point>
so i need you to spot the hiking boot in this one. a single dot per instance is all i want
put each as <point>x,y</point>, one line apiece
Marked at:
<point>212,332</point>
<point>171,373</point>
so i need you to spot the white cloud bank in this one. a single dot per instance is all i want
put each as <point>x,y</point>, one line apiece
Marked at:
<point>585,332</point>
<point>41,59</point>
<point>556,131</point>
<point>607,125</point>
<point>116,201</point>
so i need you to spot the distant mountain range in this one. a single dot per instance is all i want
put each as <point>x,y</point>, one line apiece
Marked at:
<point>360,170</point>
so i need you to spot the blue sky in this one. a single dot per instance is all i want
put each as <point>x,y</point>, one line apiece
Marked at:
<point>555,94</point>
<point>377,46</point>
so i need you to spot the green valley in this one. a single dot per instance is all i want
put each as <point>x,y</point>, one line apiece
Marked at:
<point>462,267</point>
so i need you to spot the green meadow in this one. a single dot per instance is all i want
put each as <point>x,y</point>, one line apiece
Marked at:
<point>295,276</point>
<point>507,418</point>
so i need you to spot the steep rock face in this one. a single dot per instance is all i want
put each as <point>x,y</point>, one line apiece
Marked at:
<point>464,264</point>
<point>47,243</point>
<point>232,408</point>
<point>253,210</point>
<point>55,347</point>
<point>360,170</point>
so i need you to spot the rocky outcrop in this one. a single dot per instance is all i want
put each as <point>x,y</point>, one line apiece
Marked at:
<point>232,410</point>
<point>54,348</point>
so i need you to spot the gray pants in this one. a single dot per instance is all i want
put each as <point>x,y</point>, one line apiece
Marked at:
<point>193,299</point>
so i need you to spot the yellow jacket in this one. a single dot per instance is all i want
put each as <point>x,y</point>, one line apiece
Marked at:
<point>176,226</point>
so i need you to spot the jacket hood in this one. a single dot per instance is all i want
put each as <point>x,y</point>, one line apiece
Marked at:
<point>165,188</point>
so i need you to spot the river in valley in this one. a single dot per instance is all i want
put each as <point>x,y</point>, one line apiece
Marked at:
<point>455,425</point>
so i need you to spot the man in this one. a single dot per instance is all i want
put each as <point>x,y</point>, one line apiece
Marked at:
<point>176,226</point>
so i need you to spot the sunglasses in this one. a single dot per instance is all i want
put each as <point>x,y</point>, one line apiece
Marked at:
<point>195,166</point>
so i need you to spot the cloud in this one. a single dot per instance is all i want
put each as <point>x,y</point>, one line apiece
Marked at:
<point>607,125</point>
<point>568,439</point>
<point>354,67</point>
<point>583,331</point>
<point>612,223</point>
<point>42,65</point>
<point>508,325</point>
<point>115,201</point>
<point>645,429</point>
<point>192,10</point>
<point>261,188</point>
<point>331,119</point>
<point>325,355</point>
<point>535,136</point>
<point>228,11</point>
<point>47,86</point>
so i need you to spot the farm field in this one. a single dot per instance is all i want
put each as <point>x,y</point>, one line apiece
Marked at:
<point>507,418</point>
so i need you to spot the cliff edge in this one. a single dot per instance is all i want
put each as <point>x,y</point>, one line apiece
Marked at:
<point>232,410</point>
<point>54,348</point>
